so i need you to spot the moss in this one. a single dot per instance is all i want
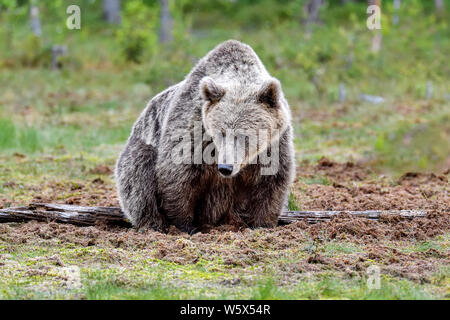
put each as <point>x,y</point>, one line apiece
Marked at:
<point>133,274</point>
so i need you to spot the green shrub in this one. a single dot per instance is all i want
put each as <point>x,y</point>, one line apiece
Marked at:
<point>32,52</point>
<point>138,32</point>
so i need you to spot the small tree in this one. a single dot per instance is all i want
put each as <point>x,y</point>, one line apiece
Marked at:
<point>137,34</point>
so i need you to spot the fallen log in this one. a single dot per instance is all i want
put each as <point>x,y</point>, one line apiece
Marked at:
<point>317,216</point>
<point>90,216</point>
<point>63,213</point>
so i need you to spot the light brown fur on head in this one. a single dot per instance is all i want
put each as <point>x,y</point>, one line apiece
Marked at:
<point>243,111</point>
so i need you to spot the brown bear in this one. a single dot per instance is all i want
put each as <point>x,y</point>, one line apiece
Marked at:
<point>216,147</point>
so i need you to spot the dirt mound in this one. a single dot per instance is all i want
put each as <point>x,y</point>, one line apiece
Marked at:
<point>92,193</point>
<point>338,171</point>
<point>387,228</point>
<point>350,186</point>
<point>417,178</point>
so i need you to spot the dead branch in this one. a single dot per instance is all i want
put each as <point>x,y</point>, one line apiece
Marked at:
<point>317,216</point>
<point>62,213</point>
<point>90,216</point>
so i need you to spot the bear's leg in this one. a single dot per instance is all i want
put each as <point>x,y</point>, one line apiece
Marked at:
<point>269,195</point>
<point>266,208</point>
<point>215,205</point>
<point>189,199</point>
<point>265,201</point>
<point>178,198</point>
<point>137,187</point>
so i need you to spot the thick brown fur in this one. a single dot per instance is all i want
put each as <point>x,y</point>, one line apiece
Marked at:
<point>229,89</point>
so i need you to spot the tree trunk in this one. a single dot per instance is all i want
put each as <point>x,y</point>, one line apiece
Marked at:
<point>440,8</point>
<point>439,5</point>
<point>35,20</point>
<point>90,216</point>
<point>312,8</point>
<point>377,39</point>
<point>111,11</point>
<point>395,17</point>
<point>165,31</point>
<point>374,2</point>
<point>57,51</point>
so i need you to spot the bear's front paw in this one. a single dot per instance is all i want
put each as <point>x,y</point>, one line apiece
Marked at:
<point>154,224</point>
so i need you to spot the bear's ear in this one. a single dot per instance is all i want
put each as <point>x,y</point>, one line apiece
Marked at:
<point>210,90</point>
<point>270,92</point>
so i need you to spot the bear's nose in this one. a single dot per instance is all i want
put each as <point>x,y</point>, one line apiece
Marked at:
<point>225,169</point>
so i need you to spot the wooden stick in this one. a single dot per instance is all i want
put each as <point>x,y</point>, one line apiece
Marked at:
<point>62,213</point>
<point>317,216</point>
<point>89,216</point>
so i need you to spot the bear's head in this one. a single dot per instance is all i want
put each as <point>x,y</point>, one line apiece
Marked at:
<point>243,120</point>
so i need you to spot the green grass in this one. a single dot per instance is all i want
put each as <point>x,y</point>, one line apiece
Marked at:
<point>33,270</point>
<point>159,283</point>
<point>292,205</point>
<point>71,138</point>
<point>317,180</point>
<point>334,248</point>
<point>440,243</point>
<point>329,288</point>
